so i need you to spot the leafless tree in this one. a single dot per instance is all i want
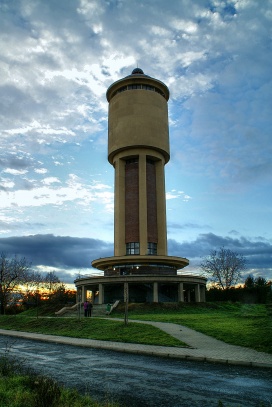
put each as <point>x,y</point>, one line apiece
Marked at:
<point>36,283</point>
<point>14,271</point>
<point>224,267</point>
<point>51,283</point>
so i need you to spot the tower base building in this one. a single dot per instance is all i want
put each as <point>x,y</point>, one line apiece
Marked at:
<point>138,149</point>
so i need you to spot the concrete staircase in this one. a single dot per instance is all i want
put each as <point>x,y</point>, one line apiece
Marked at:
<point>97,310</point>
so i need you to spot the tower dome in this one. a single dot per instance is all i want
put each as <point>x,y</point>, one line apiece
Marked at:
<point>137,71</point>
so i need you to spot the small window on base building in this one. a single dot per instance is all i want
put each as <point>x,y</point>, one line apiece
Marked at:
<point>151,248</point>
<point>132,248</point>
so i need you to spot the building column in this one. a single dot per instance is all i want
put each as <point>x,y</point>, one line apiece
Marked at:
<point>161,208</point>
<point>119,207</point>
<point>180,293</point>
<point>202,293</point>
<point>83,293</point>
<point>155,292</point>
<point>142,205</point>
<point>197,293</point>
<point>101,294</point>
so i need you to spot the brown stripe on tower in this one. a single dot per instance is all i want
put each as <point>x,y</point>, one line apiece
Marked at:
<point>132,201</point>
<point>152,229</point>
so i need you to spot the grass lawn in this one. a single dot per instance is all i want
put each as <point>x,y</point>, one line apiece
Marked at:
<point>91,328</point>
<point>21,390</point>
<point>247,325</point>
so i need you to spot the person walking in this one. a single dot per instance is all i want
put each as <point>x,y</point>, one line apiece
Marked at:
<point>85,307</point>
<point>89,309</point>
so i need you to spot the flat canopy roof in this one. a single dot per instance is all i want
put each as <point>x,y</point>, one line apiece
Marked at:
<point>131,261</point>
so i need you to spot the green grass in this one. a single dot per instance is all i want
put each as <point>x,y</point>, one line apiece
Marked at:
<point>18,389</point>
<point>248,325</point>
<point>91,328</point>
<point>14,392</point>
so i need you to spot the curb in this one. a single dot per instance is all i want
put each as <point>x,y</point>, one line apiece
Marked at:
<point>65,340</point>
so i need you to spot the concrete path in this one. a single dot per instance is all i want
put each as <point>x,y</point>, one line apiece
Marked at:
<point>201,347</point>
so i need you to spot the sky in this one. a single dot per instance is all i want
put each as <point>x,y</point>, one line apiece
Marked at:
<point>57,59</point>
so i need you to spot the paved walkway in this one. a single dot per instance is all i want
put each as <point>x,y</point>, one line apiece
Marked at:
<point>201,347</point>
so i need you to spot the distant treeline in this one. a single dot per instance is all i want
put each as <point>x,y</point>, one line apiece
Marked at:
<point>254,291</point>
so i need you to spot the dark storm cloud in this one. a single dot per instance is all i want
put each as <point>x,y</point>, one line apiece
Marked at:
<point>14,162</point>
<point>258,253</point>
<point>57,251</point>
<point>65,252</point>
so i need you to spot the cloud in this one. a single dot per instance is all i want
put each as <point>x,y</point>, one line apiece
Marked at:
<point>182,226</point>
<point>234,232</point>
<point>57,251</point>
<point>257,252</point>
<point>56,76</point>
<point>49,193</point>
<point>173,194</point>
<point>57,62</point>
<point>72,255</point>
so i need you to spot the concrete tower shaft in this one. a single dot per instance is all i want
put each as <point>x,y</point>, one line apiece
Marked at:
<point>138,115</point>
<point>138,148</point>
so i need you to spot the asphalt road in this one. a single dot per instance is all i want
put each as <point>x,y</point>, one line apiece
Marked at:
<point>144,381</point>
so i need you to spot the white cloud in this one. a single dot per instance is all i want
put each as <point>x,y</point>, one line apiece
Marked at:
<point>189,27</point>
<point>15,172</point>
<point>40,170</point>
<point>173,194</point>
<point>7,184</point>
<point>50,180</point>
<point>74,191</point>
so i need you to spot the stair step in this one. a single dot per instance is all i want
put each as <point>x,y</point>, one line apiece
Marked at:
<point>97,310</point>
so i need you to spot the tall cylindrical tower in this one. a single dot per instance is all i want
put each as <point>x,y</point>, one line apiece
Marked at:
<point>138,149</point>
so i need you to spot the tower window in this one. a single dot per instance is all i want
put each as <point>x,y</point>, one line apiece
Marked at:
<point>149,161</point>
<point>151,248</point>
<point>139,86</point>
<point>132,248</point>
<point>147,87</point>
<point>132,160</point>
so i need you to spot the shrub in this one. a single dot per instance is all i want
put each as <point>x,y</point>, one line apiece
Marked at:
<point>46,391</point>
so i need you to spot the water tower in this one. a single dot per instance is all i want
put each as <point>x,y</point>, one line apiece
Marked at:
<point>138,149</point>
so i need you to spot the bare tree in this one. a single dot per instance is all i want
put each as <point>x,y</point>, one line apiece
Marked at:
<point>13,272</point>
<point>51,283</point>
<point>32,285</point>
<point>224,266</point>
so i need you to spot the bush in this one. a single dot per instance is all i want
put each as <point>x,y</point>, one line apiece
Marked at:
<point>46,391</point>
